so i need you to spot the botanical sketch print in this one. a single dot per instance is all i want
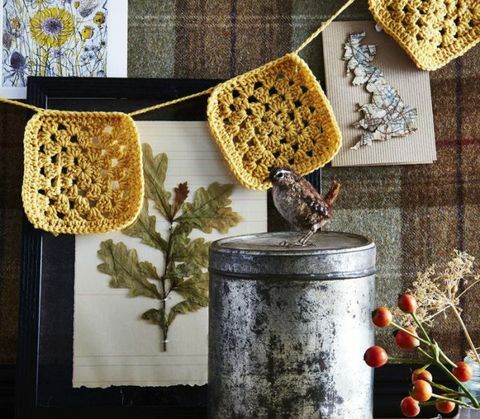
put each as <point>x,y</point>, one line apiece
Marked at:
<point>53,38</point>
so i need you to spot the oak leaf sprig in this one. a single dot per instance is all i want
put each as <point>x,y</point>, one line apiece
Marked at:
<point>185,259</point>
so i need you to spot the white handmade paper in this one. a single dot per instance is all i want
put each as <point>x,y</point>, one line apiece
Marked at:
<point>412,84</point>
<point>112,345</point>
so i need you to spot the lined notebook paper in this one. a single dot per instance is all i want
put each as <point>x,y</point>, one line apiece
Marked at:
<point>412,84</point>
<point>112,346</point>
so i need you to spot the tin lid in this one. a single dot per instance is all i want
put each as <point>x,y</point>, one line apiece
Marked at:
<point>328,255</point>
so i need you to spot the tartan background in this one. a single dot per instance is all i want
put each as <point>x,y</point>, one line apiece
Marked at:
<point>416,214</point>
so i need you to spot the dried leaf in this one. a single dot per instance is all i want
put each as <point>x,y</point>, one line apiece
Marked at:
<point>181,194</point>
<point>124,268</point>
<point>183,249</point>
<point>210,210</point>
<point>195,290</point>
<point>144,228</point>
<point>155,172</point>
<point>154,316</point>
<point>149,270</point>
<point>182,271</point>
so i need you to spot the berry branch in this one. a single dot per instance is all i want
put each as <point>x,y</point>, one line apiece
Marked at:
<point>406,338</point>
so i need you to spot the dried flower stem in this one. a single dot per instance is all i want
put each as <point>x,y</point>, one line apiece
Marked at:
<point>465,331</point>
<point>470,286</point>
<point>427,319</point>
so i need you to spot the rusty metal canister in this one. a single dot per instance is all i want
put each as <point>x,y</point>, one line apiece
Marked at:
<point>288,326</point>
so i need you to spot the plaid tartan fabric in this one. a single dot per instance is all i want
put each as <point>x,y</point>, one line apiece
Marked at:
<point>416,214</point>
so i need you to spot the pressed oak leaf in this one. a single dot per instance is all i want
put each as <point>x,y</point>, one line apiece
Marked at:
<point>156,317</point>
<point>180,195</point>
<point>185,259</point>
<point>195,289</point>
<point>144,228</point>
<point>194,252</point>
<point>155,172</point>
<point>124,268</point>
<point>210,210</point>
<point>149,269</point>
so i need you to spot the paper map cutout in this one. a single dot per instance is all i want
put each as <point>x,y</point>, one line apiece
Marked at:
<point>386,116</point>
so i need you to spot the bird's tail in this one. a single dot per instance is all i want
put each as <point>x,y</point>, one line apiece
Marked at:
<point>332,194</point>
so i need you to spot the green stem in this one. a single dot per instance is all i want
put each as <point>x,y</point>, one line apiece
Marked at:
<point>446,358</point>
<point>399,360</point>
<point>425,342</point>
<point>429,403</point>
<point>397,326</point>
<point>446,389</point>
<point>420,326</point>
<point>437,362</point>
<point>424,367</point>
<point>448,399</point>
<point>163,280</point>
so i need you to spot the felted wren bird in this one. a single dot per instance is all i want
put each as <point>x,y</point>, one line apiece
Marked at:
<point>299,202</point>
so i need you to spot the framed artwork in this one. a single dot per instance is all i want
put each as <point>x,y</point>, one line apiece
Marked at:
<point>84,350</point>
<point>85,38</point>
<point>84,346</point>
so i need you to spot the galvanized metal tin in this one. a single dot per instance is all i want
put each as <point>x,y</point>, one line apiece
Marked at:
<point>289,325</point>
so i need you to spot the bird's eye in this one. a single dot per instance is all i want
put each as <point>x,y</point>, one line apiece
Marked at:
<point>280,175</point>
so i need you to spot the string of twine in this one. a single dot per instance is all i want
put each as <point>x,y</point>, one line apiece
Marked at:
<point>203,92</point>
<point>171,102</point>
<point>323,26</point>
<point>21,104</point>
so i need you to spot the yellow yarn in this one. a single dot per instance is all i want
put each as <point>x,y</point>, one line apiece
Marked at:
<point>432,32</point>
<point>272,116</point>
<point>83,171</point>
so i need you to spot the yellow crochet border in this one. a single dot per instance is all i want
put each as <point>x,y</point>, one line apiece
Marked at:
<point>227,147</point>
<point>57,200</point>
<point>32,168</point>
<point>424,59</point>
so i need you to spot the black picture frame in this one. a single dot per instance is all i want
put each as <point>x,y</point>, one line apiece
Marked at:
<point>45,351</point>
<point>45,345</point>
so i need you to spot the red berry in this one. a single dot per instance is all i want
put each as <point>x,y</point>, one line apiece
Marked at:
<point>463,371</point>
<point>444,406</point>
<point>422,391</point>
<point>418,374</point>
<point>407,303</point>
<point>375,357</point>
<point>381,317</point>
<point>410,407</point>
<point>405,341</point>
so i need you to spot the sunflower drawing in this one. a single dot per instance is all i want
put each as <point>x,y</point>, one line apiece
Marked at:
<point>53,38</point>
<point>51,27</point>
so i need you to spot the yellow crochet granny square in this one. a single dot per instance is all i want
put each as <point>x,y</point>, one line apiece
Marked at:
<point>275,115</point>
<point>83,171</point>
<point>432,32</point>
